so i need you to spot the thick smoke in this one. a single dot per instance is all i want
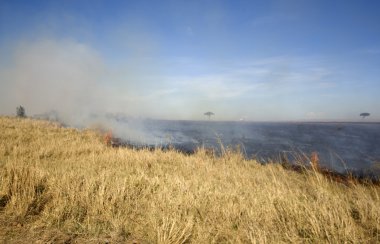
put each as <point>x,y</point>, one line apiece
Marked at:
<point>70,81</point>
<point>53,75</point>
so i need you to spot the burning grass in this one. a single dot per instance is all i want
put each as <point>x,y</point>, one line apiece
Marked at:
<point>65,185</point>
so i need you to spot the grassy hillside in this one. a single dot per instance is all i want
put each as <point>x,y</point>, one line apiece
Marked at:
<point>65,185</point>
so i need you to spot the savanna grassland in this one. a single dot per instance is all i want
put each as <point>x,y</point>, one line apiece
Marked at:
<point>63,185</point>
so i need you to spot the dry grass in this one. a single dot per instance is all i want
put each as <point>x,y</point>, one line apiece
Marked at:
<point>65,185</point>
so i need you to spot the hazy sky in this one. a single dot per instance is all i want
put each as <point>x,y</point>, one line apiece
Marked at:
<point>258,60</point>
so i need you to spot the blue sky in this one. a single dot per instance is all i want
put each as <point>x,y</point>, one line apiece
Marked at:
<point>285,60</point>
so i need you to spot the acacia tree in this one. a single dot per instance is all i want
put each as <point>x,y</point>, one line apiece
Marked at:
<point>363,115</point>
<point>209,114</point>
<point>20,112</point>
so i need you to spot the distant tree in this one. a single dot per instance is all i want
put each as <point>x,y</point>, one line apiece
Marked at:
<point>209,114</point>
<point>363,115</point>
<point>20,112</point>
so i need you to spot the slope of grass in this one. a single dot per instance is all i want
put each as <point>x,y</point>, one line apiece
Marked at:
<point>65,185</point>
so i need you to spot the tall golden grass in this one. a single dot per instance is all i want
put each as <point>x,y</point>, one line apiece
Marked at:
<point>66,185</point>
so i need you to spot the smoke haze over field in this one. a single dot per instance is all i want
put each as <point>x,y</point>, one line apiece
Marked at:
<point>178,60</point>
<point>48,74</point>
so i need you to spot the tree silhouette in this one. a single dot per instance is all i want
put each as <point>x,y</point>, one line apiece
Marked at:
<point>363,115</point>
<point>209,114</point>
<point>20,112</point>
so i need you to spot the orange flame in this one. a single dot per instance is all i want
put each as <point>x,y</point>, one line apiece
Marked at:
<point>314,160</point>
<point>108,138</point>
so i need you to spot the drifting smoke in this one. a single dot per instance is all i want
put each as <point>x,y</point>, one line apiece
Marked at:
<point>70,81</point>
<point>65,77</point>
<point>46,75</point>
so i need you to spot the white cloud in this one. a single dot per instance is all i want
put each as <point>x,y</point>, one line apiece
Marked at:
<point>371,51</point>
<point>265,76</point>
<point>217,86</point>
<point>273,19</point>
<point>315,115</point>
<point>189,31</point>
